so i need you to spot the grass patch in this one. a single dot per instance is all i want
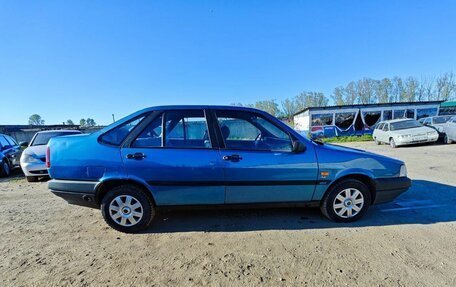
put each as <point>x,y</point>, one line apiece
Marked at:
<point>363,138</point>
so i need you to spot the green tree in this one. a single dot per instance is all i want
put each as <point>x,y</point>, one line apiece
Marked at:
<point>69,122</point>
<point>289,108</point>
<point>269,106</point>
<point>90,122</point>
<point>36,120</point>
<point>82,123</point>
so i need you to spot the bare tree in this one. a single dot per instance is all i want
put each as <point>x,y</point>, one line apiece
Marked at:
<point>289,108</point>
<point>411,85</point>
<point>445,87</point>
<point>365,91</point>
<point>339,96</point>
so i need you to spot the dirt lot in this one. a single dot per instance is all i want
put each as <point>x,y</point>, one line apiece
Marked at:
<point>411,242</point>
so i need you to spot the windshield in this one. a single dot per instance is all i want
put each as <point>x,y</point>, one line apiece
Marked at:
<point>440,120</point>
<point>43,138</point>
<point>405,125</point>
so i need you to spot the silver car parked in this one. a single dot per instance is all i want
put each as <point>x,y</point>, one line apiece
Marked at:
<point>450,130</point>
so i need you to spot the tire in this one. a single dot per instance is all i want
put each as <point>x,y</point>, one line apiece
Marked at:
<point>5,169</point>
<point>392,143</point>
<point>376,141</point>
<point>447,140</point>
<point>333,207</point>
<point>119,211</point>
<point>32,178</point>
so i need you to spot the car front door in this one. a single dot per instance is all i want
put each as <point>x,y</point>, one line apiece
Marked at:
<point>385,133</point>
<point>259,164</point>
<point>174,153</point>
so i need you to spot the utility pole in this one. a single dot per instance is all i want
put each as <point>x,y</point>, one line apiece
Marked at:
<point>113,119</point>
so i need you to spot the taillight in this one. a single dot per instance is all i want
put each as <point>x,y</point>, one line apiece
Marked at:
<point>48,157</point>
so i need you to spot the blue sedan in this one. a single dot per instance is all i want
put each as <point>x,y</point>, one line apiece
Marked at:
<point>182,156</point>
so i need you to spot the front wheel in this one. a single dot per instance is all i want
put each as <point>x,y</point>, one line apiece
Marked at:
<point>447,140</point>
<point>376,141</point>
<point>347,201</point>
<point>5,169</point>
<point>127,208</point>
<point>393,143</point>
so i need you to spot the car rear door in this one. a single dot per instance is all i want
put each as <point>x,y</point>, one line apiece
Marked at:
<point>174,152</point>
<point>259,164</point>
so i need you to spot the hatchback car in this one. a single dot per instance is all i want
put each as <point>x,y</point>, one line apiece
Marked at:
<point>34,156</point>
<point>403,132</point>
<point>10,152</point>
<point>184,156</point>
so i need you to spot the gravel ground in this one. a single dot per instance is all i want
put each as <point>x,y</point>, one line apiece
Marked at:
<point>410,242</point>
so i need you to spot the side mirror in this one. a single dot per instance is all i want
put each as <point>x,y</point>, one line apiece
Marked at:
<point>23,144</point>
<point>298,147</point>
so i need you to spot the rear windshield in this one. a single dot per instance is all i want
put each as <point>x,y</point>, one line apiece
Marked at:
<point>405,125</point>
<point>440,120</point>
<point>43,138</point>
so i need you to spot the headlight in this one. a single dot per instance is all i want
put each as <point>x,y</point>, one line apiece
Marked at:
<point>403,171</point>
<point>431,133</point>
<point>27,158</point>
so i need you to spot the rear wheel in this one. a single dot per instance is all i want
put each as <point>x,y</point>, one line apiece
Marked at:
<point>127,208</point>
<point>347,201</point>
<point>392,143</point>
<point>5,169</point>
<point>32,178</point>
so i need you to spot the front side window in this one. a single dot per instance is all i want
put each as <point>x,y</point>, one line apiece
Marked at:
<point>385,128</point>
<point>243,130</point>
<point>186,129</point>
<point>440,120</point>
<point>117,135</point>
<point>380,126</point>
<point>3,142</point>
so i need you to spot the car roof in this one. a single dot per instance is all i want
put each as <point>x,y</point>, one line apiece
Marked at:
<point>186,107</point>
<point>62,131</point>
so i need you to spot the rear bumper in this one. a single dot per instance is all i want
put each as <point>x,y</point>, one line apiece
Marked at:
<point>390,188</point>
<point>75,192</point>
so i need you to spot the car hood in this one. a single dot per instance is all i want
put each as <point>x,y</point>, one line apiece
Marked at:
<point>358,152</point>
<point>38,150</point>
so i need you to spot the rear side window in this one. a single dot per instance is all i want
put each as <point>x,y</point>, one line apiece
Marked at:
<point>3,141</point>
<point>385,128</point>
<point>186,129</point>
<point>152,135</point>
<point>11,140</point>
<point>117,135</point>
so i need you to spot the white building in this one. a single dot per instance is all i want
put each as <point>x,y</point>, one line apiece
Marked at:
<point>358,119</point>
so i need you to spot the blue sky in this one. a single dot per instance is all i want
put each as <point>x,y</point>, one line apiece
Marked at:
<point>74,59</point>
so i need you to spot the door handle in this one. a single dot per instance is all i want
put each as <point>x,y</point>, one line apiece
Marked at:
<point>137,156</point>
<point>233,157</point>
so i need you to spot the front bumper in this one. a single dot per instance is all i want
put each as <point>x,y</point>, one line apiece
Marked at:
<point>75,192</point>
<point>34,168</point>
<point>409,141</point>
<point>390,188</point>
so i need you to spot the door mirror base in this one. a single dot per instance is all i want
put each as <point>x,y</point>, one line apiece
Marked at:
<point>298,147</point>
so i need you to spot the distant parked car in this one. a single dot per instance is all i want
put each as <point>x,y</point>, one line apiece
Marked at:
<point>33,159</point>
<point>450,130</point>
<point>403,132</point>
<point>213,156</point>
<point>10,152</point>
<point>436,122</point>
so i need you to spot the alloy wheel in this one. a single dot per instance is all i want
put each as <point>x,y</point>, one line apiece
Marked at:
<point>126,210</point>
<point>348,203</point>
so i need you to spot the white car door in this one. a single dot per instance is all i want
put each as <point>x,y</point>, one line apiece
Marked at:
<point>385,133</point>
<point>378,132</point>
